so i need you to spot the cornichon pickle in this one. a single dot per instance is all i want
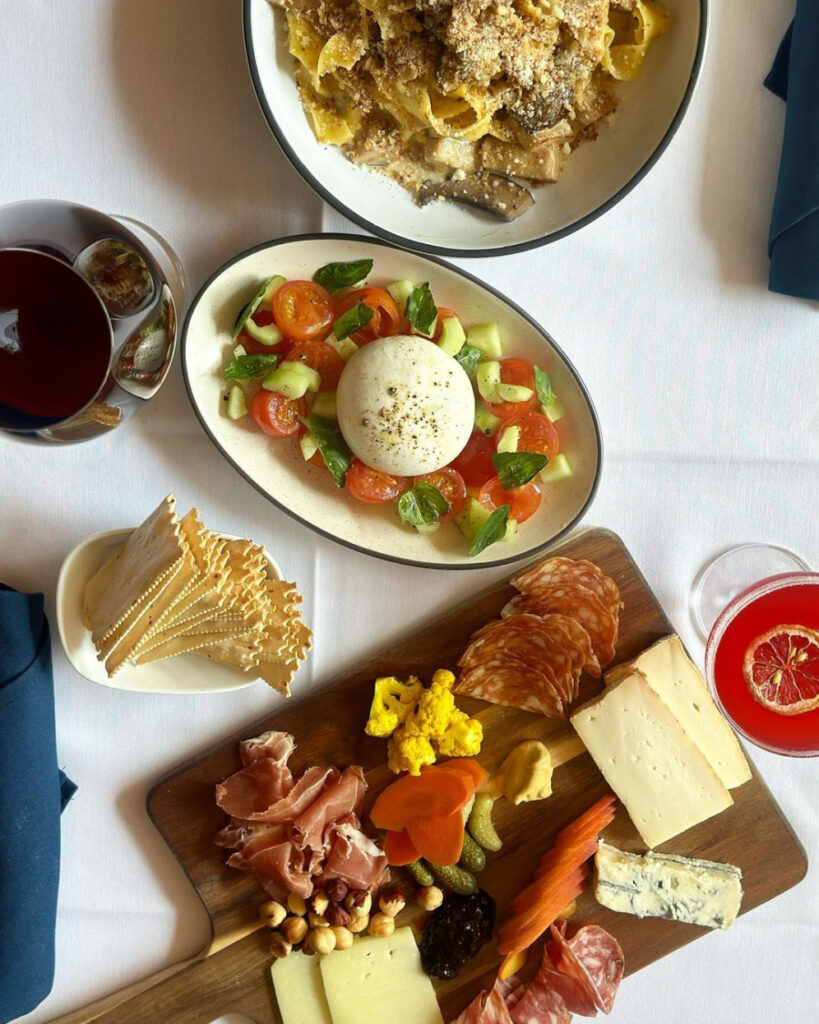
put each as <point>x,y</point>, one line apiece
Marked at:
<point>421,873</point>
<point>454,878</point>
<point>480,823</point>
<point>472,856</point>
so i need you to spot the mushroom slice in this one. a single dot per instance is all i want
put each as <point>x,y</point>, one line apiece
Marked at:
<point>491,192</point>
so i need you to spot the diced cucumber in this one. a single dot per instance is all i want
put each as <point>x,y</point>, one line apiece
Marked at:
<point>267,335</point>
<point>558,469</point>
<point>401,291</point>
<point>236,404</point>
<point>248,310</point>
<point>486,337</point>
<point>308,445</point>
<point>554,410</point>
<point>485,421</point>
<point>452,337</point>
<point>487,377</point>
<point>324,405</point>
<point>293,380</point>
<point>512,393</point>
<point>472,518</point>
<point>345,347</point>
<point>273,286</point>
<point>509,440</point>
<point>239,351</point>
<point>427,527</point>
<point>511,529</point>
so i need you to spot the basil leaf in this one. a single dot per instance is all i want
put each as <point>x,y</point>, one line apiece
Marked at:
<point>517,468</point>
<point>492,530</point>
<point>250,308</point>
<point>543,384</point>
<point>248,367</point>
<point>469,357</point>
<point>337,456</point>
<point>336,276</point>
<point>353,320</point>
<point>422,504</point>
<point>421,310</point>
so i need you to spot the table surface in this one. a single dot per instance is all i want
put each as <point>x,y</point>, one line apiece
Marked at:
<point>704,381</point>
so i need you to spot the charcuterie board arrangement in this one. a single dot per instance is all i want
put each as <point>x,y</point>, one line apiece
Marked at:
<point>555,875</point>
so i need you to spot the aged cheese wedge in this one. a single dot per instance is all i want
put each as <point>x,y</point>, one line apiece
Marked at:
<point>379,981</point>
<point>674,677</point>
<point>300,990</point>
<point>649,760</point>
<point>699,892</point>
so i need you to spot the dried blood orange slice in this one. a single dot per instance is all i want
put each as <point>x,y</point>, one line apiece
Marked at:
<point>781,668</point>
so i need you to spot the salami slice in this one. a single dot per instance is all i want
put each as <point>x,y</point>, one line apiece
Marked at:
<point>578,640</point>
<point>593,958</point>
<point>513,683</point>
<point>562,570</point>
<point>486,1008</point>
<point>576,602</point>
<point>543,1001</point>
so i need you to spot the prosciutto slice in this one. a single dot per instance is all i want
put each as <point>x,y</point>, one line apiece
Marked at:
<point>274,746</point>
<point>354,857</point>
<point>251,792</point>
<point>344,795</point>
<point>280,866</point>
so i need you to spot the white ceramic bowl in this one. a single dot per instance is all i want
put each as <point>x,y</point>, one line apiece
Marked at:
<point>186,673</point>
<point>596,177</point>
<point>276,467</point>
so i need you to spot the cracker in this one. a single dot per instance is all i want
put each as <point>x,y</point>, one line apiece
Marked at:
<point>96,586</point>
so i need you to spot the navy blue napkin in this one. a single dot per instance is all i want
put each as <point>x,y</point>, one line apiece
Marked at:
<point>32,796</point>
<point>793,242</point>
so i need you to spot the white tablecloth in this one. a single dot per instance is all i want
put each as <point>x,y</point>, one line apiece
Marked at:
<point>705,384</point>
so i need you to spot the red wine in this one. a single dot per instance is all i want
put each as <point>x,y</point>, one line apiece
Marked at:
<point>55,339</point>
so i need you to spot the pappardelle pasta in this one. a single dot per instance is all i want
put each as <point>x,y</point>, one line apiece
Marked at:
<point>463,100</point>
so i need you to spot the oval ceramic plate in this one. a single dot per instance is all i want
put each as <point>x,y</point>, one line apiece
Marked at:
<point>276,467</point>
<point>598,174</point>
<point>185,673</point>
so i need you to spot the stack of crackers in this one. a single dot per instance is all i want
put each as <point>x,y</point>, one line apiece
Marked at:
<point>174,587</point>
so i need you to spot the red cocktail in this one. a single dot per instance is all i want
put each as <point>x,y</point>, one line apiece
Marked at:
<point>762,663</point>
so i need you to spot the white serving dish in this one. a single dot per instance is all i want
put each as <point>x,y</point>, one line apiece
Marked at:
<point>185,673</point>
<point>597,176</point>
<point>276,467</point>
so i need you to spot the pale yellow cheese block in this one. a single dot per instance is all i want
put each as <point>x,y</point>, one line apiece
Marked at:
<point>676,680</point>
<point>651,763</point>
<point>300,990</point>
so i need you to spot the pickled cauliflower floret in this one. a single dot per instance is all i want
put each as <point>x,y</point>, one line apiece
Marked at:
<point>435,708</point>
<point>409,752</point>
<point>462,737</point>
<point>392,702</point>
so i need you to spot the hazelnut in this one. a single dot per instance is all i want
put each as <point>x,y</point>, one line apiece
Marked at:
<point>391,902</point>
<point>279,946</point>
<point>296,905</point>
<point>429,897</point>
<point>318,902</point>
<point>359,902</point>
<point>317,920</point>
<point>272,913</point>
<point>294,929</point>
<point>336,890</point>
<point>381,925</point>
<point>337,917</point>
<point>321,940</point>
<point>358,924</point>
<point>344,938</point>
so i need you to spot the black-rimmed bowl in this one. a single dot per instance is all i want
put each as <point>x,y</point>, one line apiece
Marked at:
<point>596,176</point>
<point>276,468</point>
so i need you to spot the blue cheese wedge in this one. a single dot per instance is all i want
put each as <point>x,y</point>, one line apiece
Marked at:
<point>675,679</point>
<point>664,780</point>
<point>699,892</point>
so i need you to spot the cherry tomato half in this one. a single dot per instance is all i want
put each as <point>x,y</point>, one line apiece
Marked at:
<point>537,434</point>
<point>522,373</point>
<point>386,319</point>
<point>321,357</point>
<point>303,310</point>
<point>263,317</point>
<point>371,486</point>
<point>451,484</point>
<point>475,462</point>
<point>276,415</point>
<point>523,501</point>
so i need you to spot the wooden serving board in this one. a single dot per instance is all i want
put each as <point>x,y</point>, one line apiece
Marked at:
<point>329,729</point>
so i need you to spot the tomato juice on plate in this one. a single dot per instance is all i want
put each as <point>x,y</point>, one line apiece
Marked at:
<point>763,653</point>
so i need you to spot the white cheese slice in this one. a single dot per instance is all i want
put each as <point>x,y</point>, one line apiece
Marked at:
<point>649,760</point>
<point>674,677</point>
<point>299,990</point>
<point>699,892</point>
<point>379,981</point>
